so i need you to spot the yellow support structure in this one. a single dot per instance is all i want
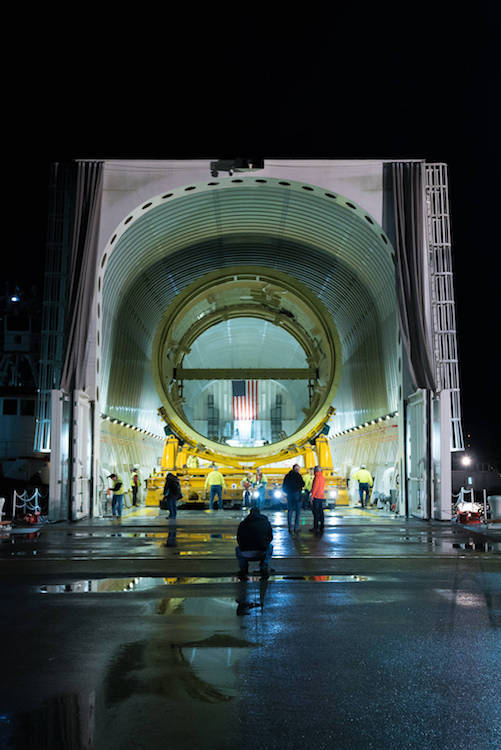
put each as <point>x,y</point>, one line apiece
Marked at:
<point>234,469</point>
<point>170,453</point>
<point>182,458</point>
<point>323,452</point>
<point>309,458</point>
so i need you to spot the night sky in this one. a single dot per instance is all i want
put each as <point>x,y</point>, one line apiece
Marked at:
<point>425,88</point>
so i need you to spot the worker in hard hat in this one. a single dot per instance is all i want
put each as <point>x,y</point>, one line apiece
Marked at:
<point>259,484</point>
<point>134,484</point>
<point>246,485</point>
<point>365,482</point>
<point>118,490</point>
<point>193,462</point>
<point>215,483</point>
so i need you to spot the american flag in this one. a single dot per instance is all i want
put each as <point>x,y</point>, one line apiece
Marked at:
<point>244,399</point>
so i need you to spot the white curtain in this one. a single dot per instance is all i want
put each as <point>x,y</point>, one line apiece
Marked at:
<point>82,272</point>
<point>403,223</point>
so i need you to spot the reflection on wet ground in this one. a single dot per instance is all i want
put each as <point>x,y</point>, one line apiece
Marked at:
<point>176,670</point>
<point>200,535</point>
<point>217,669</point>
<point>114,585</point>
<point>103,649</point>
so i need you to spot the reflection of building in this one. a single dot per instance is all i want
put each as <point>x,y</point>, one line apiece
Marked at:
<point>62,721</point>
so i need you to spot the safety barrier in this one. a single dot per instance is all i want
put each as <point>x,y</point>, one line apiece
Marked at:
<point>28,504</point>
<point>471,492</point>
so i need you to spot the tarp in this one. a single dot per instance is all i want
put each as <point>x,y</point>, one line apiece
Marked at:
<point>82,272</point>
<point>403,224</point>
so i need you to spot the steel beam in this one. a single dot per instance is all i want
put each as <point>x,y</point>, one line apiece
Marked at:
<point>245,373</point>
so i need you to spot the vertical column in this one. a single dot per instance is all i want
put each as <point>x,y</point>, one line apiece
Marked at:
<point>82,455</point>
<point>443,511</point>
<point>59,480</point>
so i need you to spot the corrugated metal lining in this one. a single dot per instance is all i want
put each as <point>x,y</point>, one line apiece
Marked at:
<point>245,342</point>
<point>321,241</point>
<point>335,284</point>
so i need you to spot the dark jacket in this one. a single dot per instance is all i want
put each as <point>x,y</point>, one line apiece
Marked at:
<point>293,482</point>
<point>254,532</point>
<point>172,488</point>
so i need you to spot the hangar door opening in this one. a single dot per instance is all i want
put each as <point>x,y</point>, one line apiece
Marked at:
<point>125,275</point>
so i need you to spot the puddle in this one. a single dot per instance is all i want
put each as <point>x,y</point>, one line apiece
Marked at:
<point>203,670</point>
<point>173,678</point>
<point>23,554</point>
<point>443,545</point>
<point>199,536</point>
<point>124,585</point>
<point>11,537</point>
<point>477,546</point>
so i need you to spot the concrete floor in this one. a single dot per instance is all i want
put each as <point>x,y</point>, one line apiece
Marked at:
<point>383,633</point>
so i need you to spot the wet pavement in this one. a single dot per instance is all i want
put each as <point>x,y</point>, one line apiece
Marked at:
<point>382,633</point>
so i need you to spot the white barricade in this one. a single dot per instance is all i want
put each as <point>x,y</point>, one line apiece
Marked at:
<point>28,504</point>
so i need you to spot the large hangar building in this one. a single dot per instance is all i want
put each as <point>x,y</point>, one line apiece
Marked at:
<point>325,287</point>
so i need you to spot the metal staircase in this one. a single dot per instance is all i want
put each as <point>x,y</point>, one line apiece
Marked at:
<point>442,293</point>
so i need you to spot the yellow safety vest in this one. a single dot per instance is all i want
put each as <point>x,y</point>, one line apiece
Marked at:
<point>363,476</point>
<point>215,477</point>
<point>122,489</point>
<point>308,482</point>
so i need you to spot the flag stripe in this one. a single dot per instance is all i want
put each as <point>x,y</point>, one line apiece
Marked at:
<point>245,406</point>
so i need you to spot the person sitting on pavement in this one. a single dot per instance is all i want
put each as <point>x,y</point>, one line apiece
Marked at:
<point>317,501</point>
<point>172,493</point>
<point>292,487</point>
<point>215,481</point>
<point>364,480</point>
<point>254,537</point>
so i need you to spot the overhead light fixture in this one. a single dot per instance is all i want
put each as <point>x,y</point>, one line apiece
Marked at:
<point>235,165</point>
